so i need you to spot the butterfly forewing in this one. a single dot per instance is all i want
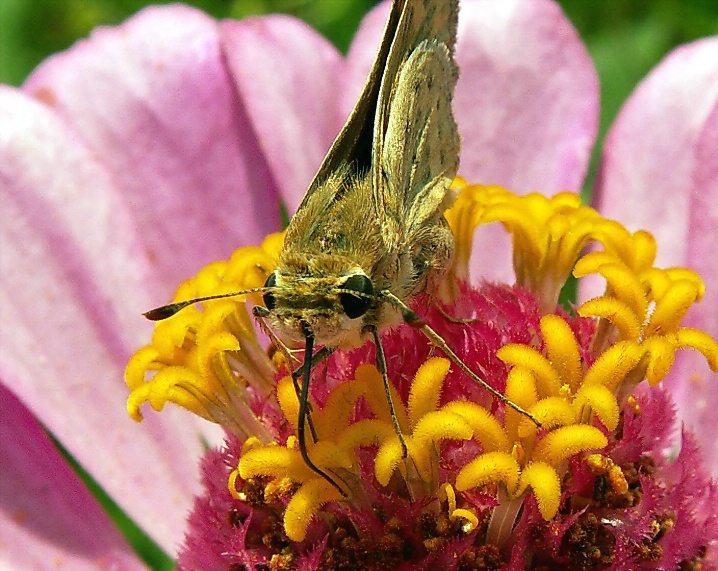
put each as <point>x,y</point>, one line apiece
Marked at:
<point>415,136</point>
<point>354,143</point>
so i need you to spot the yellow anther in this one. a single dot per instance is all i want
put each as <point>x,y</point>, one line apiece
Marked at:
<point>489,468</point>
<point>614,364</point>
<point>275,461</point>
<point>171,335</point>
<point>429,431</point>
<point>548,233</point>
<point>661,357</point>
<point>562,349</point>
<point>469,517</point>
<point>618,313</point>
<point>426,388</point>
<point>250,443</point>
<point>484,426</point>
<point>701,342</point>
<point>672,307</point>
<point>548,382</point>
<point>305,503</point>
<point>546,485</point>
<point>288,401</point>
<point>367,432</point>
<point>232,484</point>
<point>335,414</point>
<point>210,359</point>
<point>623,283</point>
<point>520,389</point>
<point>550,412</point>
<point>388,458</point>
<point>463,217</point>
<point>375,396</point>
<point>562,443</point>
<point>171,384</point>
<point>446,492</point>
<point>140,363</point>
<point>601,401</point>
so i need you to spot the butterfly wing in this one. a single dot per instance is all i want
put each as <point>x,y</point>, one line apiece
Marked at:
<point>353,145</point>
<point>416,142</point>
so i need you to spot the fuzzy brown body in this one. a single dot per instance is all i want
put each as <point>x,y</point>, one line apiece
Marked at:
<point>376,206</point>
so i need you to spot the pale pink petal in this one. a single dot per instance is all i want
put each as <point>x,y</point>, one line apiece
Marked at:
<point>526,103</point>
<point>527,98</point>
<point>71,295</point>
<point>659,172</point>
<point>695,387</point>
<point>646,178</point>
<point>48,519</point>
<point>155,103</point>
<point>288,78</point>
<point>361,55</point>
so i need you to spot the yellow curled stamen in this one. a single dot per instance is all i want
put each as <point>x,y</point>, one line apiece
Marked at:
<point>564,442</point>
<point>546,485</point>
<point>562,349</point>
<point>484,426</point>
<point>489,468</point>
<point>618,313</point>
<point>547,380</point>
<point>601,401</point>
<point>426,388</point>
<point>305,504</point>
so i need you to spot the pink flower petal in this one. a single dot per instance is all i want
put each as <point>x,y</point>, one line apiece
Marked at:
<point>650,152</point>
<point>154,101</point>
<point>526,103</point>
<point>287,76</point>
<point>361,55</point>
<point>527,98</point>
<point>694,385</point>
<point>659,172</point>
<point>71,293</point>
<point>48,519</point>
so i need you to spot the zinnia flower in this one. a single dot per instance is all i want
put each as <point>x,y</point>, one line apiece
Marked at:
<point>140,155</point>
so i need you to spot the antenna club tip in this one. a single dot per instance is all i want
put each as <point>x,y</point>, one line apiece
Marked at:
<point>160,313</point>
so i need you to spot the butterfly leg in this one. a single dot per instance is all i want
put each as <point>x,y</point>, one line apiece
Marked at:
<point>381,366</point>
<point>305,371</point>
<point>317,358</point>
<point>413,319</point>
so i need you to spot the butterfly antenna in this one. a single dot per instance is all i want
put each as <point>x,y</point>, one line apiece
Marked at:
<point>413,319</point>
<point>165,311</point>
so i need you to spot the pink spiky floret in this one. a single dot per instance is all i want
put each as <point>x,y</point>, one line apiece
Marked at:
<point>225,533</point>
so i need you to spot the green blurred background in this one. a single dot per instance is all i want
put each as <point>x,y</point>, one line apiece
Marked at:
<point>625,37</point>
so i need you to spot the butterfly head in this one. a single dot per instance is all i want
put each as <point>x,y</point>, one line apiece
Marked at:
<point>333,304</point>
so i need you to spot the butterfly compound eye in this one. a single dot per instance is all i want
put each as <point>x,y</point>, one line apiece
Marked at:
<point>269,300</point>
<point>355,305</point>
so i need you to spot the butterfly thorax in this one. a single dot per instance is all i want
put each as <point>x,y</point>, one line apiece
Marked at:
<point>337,245</point>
